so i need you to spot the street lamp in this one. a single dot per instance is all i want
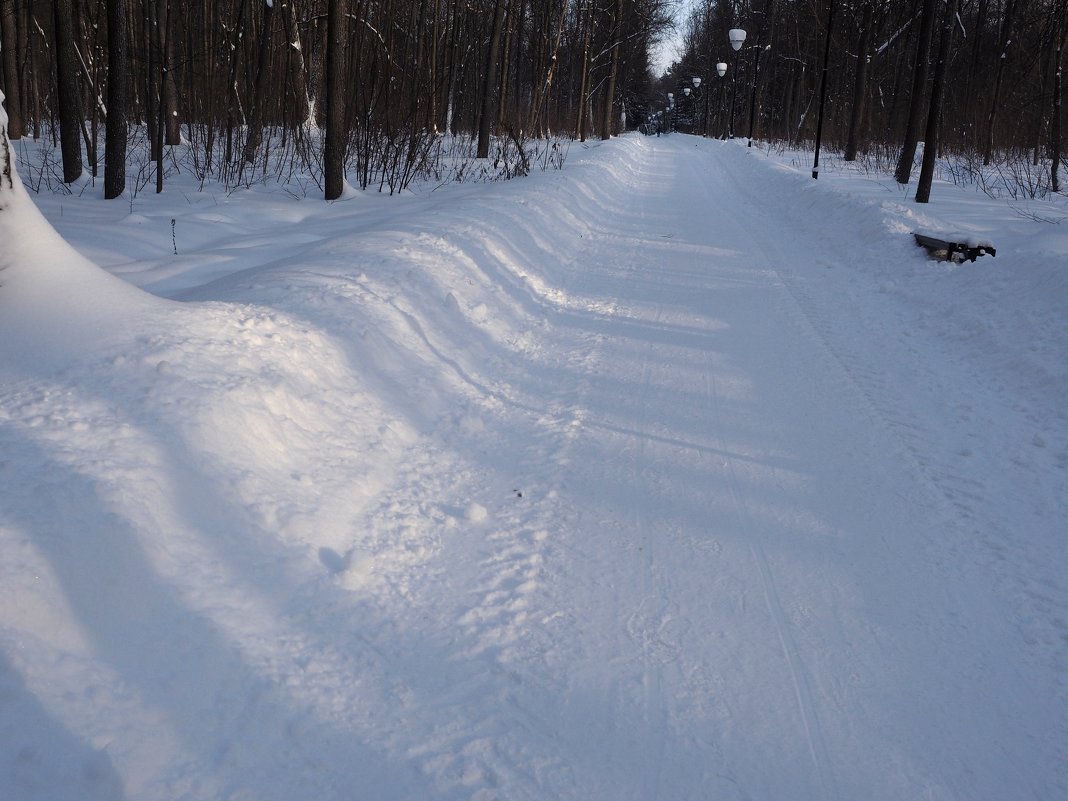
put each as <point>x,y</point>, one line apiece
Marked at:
<point>737,38</point>
<point>823,90</point>
<point>696,81</point>
<point>721,70</point>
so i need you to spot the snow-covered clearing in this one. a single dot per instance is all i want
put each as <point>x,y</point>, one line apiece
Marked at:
<point>672,475</point>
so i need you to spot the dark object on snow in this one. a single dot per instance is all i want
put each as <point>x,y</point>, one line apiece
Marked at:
<point>947,249</point>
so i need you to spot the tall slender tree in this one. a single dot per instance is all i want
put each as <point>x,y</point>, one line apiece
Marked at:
<point>490,80</point>
<point>259,97</point>
<point>615,32</point>
<point>919,84</point>
<point>860,81</point>
<point>1005,46</point>
<point>7,177</point>
<point>1055,122</point>
<point>9,51</point>
<point>70,114</point>
<point>934,114</point>
<point>337,37</point>
<point>118,91</point>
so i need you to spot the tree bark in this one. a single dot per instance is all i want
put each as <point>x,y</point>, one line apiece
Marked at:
<point>118,93</point>
<point>337,38</point>
<point>970,103</point>
<point>919,81</point>
<point>613,73</point>
<point>169,92</point>
<point>1055,122</point>
<point>259,97</point>
<point>860,84</point>
<point>584,81</point>
<point>298,76</point>
<point>7,177</point>
<point>1004,44</point>
<point>934,115</point>
<point>543,87</point>
<point>70,115</point>
<point>9,45</point>
<point>489,81</point>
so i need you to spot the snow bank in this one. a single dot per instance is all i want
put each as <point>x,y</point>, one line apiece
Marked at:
<point>672,473</point>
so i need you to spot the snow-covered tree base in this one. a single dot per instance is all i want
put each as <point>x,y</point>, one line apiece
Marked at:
<point>6,177</point>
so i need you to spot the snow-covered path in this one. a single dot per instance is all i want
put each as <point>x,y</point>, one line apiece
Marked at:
<point>664,477</point>
<point>766,590</point>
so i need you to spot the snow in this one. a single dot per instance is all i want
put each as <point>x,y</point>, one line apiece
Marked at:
<point>673,474</point>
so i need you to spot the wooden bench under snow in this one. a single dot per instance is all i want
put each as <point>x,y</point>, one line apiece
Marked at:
<point>948,246</point>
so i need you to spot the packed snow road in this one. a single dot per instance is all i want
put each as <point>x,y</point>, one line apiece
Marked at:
<point>662,477</point>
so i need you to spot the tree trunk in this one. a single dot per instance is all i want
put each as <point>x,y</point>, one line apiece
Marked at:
<point>70,115</point>
<point>118,92</point>
<point>860,83</point>
<point>489,81</point>
<point>9,45</point>
<point>934,115</point>
<point>306,109</point>
<point>970,102</point>
<point>919,81</point>
<point>435,33</point>
<point>151,77</point>
<point>259,98</point>
<point>613,72</point>
<point>171,123</point>
<point>7,177</point>
<point>1004,44</point>
<point>543,87</point>
<point>765,41</point>
<point>584,82</point>
<point>337,38</point>
<point>1055,122</point>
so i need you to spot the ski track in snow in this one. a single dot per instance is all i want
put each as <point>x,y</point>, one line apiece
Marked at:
<point>650,479</point>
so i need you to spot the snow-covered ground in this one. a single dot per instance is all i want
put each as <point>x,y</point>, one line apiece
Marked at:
<point>671,475</point>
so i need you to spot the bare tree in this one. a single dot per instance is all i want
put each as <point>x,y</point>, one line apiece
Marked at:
<point>1055,123</point>
<point>607,121</point>
<point>70,114</point>
<point>1005,44</point>
<point>489,80</point>
<point>337,37</point>
<point>934,115</point>
<point>259,98</point>
<point>860,82</point>
<point>118,91</point>
<point>919,83</point>
<point>7,178</point>
<point>9,48</point>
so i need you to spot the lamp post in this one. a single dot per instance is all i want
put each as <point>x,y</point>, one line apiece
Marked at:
<point>756,79</point>
<point>721,70</point>
<point>823,90</point>
<point>671,111</point>
<point>737,38</point>
<point>696,81</point>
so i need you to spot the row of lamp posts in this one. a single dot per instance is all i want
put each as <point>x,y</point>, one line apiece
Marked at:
<point>737,38</point>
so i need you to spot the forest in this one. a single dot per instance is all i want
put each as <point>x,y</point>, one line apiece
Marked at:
<point>378,93</point>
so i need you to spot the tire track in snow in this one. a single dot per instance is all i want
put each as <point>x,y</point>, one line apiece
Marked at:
<point>652,676</point>
<point>748,521</point>
<point>806,705</point>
